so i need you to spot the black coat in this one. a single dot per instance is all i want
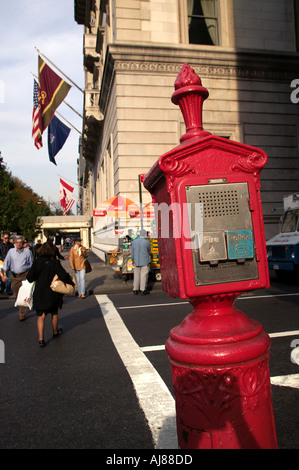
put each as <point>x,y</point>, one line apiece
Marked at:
<point>4,248</point>
<point>42,271</point>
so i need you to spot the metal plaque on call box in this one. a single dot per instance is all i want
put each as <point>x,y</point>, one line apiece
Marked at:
<point>224,248</point>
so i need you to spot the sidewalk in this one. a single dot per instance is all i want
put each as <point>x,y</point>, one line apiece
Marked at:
<point>104,280</point>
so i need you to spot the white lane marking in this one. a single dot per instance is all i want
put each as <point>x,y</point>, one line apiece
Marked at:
<point>284,333</point>
<point>160,347</point>
<point>245,297</point>
<point>282,380</point>
<point>153,305</point>
<point>280,334</point>
<point>295,352</point>
<point>154,397</point>
<point>267,296</point>
<point>286,380</point>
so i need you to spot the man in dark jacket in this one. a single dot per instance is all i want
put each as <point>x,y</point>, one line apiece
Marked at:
<point>5,246</point>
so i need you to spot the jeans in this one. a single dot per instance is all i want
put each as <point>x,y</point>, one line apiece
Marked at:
<point>7,284</point>
<point>80,278</point>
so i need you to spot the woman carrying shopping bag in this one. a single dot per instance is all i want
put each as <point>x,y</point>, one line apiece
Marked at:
<point>78,255</point>
<point>45,300</point>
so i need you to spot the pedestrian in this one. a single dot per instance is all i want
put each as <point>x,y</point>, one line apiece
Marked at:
<point>57,252</point>
<point>19,261</point>
<point>58,241</point>
<point>45,300</point>
<point>78,254</point>
<point>5,246</point>
<point>27,245</point>
<point>37,247</point>
<point>140,254</point>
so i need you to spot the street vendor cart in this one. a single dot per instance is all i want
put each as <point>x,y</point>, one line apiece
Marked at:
<point>121,262</point>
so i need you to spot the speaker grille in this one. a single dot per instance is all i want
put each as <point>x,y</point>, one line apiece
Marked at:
<point>219,203</point>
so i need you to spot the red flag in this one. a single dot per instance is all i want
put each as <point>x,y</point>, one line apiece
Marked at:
<point>66,196</point>
<point>36,118</point>
<point>52,91</point>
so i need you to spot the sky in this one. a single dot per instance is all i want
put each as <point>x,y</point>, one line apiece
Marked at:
<point>48,25</point>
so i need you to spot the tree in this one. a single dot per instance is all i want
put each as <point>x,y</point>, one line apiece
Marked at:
<point>9,207</point>
<point>19,205</point>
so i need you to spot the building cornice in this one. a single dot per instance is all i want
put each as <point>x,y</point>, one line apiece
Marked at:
<point>246,72</point>
<point>210,60</point>
<point>207,61</point>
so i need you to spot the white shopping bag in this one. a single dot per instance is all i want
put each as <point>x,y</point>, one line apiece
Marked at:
<point>25,295</point>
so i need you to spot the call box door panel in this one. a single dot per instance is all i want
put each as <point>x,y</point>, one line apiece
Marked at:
<point>223,249</point>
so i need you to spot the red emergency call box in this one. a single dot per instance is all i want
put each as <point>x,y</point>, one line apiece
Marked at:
<point>206,193</point>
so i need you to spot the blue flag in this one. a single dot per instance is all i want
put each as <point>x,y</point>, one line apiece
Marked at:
<point>57,135</point>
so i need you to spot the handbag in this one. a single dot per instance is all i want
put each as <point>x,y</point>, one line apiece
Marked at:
<point>61,287</point>
<point>87,265</point>
<point>25,295</point>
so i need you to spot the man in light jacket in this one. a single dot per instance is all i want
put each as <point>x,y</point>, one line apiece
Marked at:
<point>19,261</point>
<point>140,254</point>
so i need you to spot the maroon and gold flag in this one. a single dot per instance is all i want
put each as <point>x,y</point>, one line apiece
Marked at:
<point>52,91</point>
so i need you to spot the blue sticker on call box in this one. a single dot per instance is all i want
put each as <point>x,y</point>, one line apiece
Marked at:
<point>240,244</point>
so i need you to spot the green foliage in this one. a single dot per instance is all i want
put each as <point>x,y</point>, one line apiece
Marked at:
<point>19,206</point>
<point>9,209</point>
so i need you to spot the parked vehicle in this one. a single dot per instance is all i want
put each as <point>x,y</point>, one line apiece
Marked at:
<point>283,249</point>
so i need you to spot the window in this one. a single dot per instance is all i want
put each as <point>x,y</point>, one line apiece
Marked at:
<point>290,221</point>
<point>202,22</point>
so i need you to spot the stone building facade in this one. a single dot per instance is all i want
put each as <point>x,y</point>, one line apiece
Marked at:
<point>246,54</point>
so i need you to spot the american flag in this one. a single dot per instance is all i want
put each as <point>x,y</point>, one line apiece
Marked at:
<point>36,119</point>
<point>68,206</point>
<point>66,196</point>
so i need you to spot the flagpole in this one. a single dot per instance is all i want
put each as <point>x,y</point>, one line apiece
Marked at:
<point>60,176</point>
<point>76,197</point>
<point>43,55</point>
<point>68,122</point>
<point>80,115</point>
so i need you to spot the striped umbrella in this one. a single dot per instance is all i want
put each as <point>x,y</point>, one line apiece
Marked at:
<point>148,211</point>
<point>117,206</point>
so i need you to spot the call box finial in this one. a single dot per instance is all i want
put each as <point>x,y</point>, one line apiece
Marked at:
<point>189,95</point>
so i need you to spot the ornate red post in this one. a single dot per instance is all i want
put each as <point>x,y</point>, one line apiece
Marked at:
<point>219,360</point>
<point>219,357</point>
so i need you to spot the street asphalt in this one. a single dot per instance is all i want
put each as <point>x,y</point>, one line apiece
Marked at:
<point>75,392</point>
